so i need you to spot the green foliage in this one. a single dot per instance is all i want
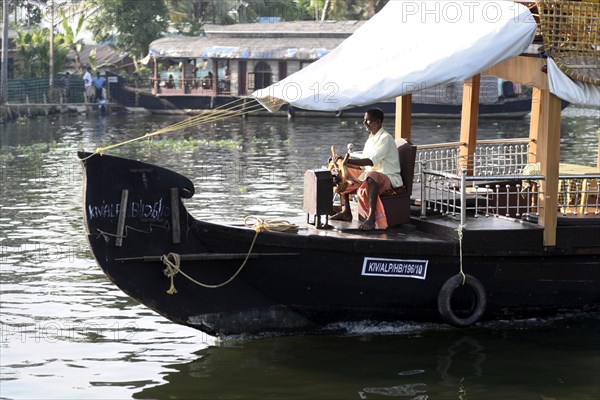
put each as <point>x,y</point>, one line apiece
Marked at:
<point>341,9</point>
<point>72,39</point>
<point>34,47</point>
<point>190,143</point>
<point>236,11</point>
<point>130,25</point>
<point>284,9</point>
<point>188,16</point>
<point>188,28</point>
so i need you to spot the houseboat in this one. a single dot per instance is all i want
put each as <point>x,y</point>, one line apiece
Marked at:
<point>232,61</point>
<point>481,232</point>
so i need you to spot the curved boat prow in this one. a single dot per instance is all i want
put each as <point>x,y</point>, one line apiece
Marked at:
<point>135,220</point>
<point>149,194</point>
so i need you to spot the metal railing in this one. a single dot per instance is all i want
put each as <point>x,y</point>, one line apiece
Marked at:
<point>492,157</point>
<point>516,196</point>
<point>459,195</point>
<point>500,183</point>
<point>193,86</point>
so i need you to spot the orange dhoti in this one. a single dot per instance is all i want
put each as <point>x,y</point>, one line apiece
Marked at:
<point>361,189</point>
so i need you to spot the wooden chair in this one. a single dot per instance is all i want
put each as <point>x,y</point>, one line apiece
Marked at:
<point>396,202</point>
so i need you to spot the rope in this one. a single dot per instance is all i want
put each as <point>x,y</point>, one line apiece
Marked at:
<point>107,235</point>
<point>172,261</point>
<point>174,268</point>
<point>232,109</point>
<point>274,225</point>
<point>460,242</point>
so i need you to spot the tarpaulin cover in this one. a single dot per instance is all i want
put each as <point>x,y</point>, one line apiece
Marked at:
<point>406,47</point>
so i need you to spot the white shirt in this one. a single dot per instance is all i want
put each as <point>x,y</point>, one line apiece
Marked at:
<point>87,79</point>
<point>381,149</point>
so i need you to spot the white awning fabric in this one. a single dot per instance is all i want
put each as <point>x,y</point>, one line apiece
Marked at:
<point>406,47</point>
<point>574,92</point>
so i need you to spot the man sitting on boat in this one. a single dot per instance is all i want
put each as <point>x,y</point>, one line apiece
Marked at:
<point>372,175</point>
<point>170,82</point>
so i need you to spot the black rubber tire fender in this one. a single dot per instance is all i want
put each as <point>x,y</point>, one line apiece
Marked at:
<point>445,303</point>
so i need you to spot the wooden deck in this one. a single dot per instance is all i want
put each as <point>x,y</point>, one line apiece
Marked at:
<point>494,233</point>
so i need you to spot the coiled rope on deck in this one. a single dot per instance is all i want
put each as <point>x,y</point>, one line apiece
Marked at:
<point>274,225</point>
<point>172,261</point>
<point>235,108</point>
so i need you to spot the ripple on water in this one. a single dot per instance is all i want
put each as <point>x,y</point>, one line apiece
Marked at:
<point>66,331</point>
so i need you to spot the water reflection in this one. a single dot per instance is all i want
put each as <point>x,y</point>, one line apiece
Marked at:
<point>487,363</point>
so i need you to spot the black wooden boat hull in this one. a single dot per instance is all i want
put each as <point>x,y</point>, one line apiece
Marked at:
<point>312,280</point>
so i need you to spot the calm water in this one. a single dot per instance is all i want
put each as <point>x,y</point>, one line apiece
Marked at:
<point>66,332</point>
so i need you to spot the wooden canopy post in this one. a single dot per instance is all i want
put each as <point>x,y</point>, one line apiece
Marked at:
<point>468,123</point>
<point>403,116</point>
<point>544,133</point>
<point>155,84</point>
<point>534,124</point>
<point>548,154</point>
<point>215,71</point>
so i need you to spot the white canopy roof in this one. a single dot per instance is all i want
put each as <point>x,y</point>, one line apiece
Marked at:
<point>406,47</point>
<point>573,91</point>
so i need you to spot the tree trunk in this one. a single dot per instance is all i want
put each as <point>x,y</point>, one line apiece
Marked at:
<point>78,63</point>
<point>325,10</point>
<point>4,72</point>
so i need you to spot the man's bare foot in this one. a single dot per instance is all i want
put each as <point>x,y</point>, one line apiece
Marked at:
<point>368,225</point>
<point>341,216</point>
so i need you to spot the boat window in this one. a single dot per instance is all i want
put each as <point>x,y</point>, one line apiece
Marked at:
<point>263,76</point>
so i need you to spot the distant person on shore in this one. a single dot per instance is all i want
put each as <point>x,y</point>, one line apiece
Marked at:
<point>99,81</point>
<point>87,84</point>
<point>66,83</point>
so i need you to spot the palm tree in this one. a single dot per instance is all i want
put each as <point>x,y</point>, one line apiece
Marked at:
<point>72,40</point>
<point>26,50</point>
<point>34,49</point>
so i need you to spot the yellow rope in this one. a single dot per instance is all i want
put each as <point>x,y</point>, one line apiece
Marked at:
<point>234,108</point>
<point>274,225</point>
<point>460,241</point>
<point>172,261</point>
<point>174,268</point>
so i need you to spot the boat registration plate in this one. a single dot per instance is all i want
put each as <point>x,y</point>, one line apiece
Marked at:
<point>395,268</point>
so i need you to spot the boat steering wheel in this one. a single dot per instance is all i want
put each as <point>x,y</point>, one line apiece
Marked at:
<point>339,169</point>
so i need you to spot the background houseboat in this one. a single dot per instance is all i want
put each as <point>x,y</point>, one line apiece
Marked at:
<point>232,61</point>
